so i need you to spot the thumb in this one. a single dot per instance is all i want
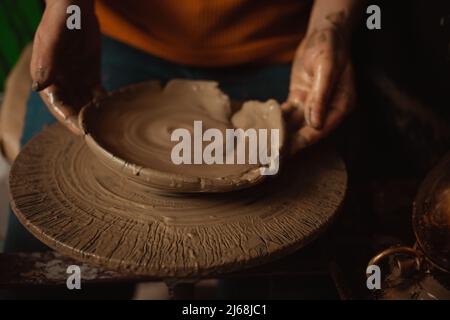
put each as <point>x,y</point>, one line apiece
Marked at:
<point>42,66</point>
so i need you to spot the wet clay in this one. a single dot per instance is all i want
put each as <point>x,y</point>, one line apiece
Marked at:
<point>76,205</point>
<point>130,131</point>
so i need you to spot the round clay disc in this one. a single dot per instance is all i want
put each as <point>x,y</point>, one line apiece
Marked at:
<point>77,206</point>
<point>131,131</point>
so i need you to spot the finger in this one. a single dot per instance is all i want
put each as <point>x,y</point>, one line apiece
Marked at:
<point>293,109</point>
<point>342,103</point>
<point>307,135</point>
<point>42,66</point>
<point>62,111</point>
<point>322,87</point>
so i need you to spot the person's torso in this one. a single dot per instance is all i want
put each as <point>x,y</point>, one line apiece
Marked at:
<point>208,32</point>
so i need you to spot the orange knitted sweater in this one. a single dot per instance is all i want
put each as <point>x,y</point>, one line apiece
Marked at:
<point>208,32</point>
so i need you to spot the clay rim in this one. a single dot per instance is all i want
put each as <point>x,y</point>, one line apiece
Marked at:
<point>159,180</point>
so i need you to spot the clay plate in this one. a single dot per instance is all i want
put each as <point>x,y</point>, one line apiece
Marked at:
<point>129,131</point>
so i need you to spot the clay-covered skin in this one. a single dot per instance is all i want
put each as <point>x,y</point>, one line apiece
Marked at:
<point>131,130</point>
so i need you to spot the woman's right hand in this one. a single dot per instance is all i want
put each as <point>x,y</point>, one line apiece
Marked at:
<point>65,65</point>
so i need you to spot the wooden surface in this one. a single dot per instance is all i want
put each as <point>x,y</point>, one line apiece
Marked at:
<point>20,269</point>
<point>67,200</point>
<point>25,269</point>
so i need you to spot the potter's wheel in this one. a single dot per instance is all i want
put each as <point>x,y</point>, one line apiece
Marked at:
<point>74,204</point>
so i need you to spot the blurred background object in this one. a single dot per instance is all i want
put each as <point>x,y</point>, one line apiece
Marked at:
<point>18,21</point>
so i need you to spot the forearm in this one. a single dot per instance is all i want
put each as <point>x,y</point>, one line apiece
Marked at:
<point>335,14</point>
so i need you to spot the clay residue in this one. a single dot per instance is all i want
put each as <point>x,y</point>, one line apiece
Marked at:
<point>133,128</point>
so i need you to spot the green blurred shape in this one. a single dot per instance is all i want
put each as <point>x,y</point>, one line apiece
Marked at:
<point>18,21</point>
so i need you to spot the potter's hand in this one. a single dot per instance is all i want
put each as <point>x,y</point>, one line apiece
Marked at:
<point>322,90</point>
<point>65,65</point>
